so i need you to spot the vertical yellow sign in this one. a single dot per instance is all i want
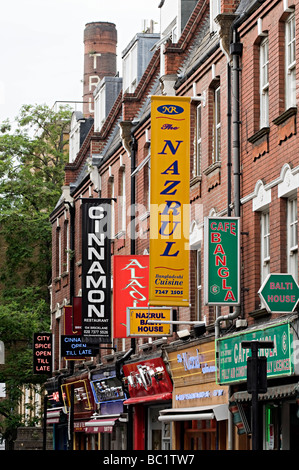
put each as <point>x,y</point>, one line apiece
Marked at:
<point>169,210</point>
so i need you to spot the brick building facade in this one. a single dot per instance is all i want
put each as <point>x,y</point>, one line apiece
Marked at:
<point>237,63</point>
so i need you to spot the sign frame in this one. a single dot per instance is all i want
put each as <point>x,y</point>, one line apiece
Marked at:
<point>170,204</point>
<point>96,269</point>
<point>165,330</point>
<point>130,288</point>
<point>43,343</point>
<point>231,295</point>
<point>263,286</point>
<point>232,358</point>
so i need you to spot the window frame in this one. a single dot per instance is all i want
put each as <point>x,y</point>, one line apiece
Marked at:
<point>265,243</point>
<point>290,65</point>
<point>264,84</point>
<point>198,149</point>
<point>292,235</point>
<point>216,154</point>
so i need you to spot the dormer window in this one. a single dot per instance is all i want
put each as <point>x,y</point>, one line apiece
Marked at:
<point>130,70</point>
<point>74,145</point>
<point>99,109</point>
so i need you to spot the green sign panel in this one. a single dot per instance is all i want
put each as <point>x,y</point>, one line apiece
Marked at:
<point>222,261</point>
<point>232,363</point>
<point>280,293</point>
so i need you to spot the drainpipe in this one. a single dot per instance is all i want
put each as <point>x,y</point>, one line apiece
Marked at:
<point>236,51</point>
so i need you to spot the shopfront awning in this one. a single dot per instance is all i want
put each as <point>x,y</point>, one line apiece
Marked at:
<point>218,412</point>
<point>280,391</point>
<point>100,425</point>
<point>148,398</point>
<point>53,415</point>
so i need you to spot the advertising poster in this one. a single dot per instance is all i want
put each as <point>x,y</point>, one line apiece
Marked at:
<point>169,209</point>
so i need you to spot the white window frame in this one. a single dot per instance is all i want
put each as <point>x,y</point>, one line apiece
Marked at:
<point>130,70</point>
<point>292,236</point>
<point>265,244</point>
<point>197,163</point>
<point>74,145</point>
<point>215,10</point>
<point>122,202</point>
<point>198,285</point>
<point>264,83</point>
<point>290,61</point>
<point>217,126</point>
<point>99,109</point>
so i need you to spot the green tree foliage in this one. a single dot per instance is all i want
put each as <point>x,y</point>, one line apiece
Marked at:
<point>32,160</point>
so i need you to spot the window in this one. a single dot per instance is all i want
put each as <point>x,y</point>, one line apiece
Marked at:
<point>216,126</point>
<point>99,113</point>
<point>265,245</point>
<point>111,195</point>
<point>198,286</point>
<point>264,83</point>
<point>215,10</point>
<point>130,70</point>
<point>292,234</point>
<point>122,201</point>
<point>197,162</point>
<point>58,252</point>
<point>290,62</point>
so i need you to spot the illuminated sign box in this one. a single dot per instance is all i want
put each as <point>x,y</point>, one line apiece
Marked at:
<point>222,261</point>
<point>137,321</point>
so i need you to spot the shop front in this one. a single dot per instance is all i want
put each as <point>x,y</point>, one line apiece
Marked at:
<point>56,413</point>
<point>79,401</point>
<point>109,424</point>
<point>149,390</point>
<point>199,412</point>
<point>278,406</point>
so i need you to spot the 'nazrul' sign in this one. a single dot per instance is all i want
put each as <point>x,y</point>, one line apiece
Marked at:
<point>170,205</point>
<point>222,261</point>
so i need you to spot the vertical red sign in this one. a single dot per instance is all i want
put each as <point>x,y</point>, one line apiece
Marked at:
<point>130,288</point>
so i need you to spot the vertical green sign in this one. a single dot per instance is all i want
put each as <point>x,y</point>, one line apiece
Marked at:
<point>222,261</point>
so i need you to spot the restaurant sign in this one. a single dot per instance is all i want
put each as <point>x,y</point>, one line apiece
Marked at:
<point>233,357</point>
<point>222,261</point>
<point>137,321</point>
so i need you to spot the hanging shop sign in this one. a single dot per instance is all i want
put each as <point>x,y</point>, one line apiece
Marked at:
<point>107,389</point>
<point>96,269</point>
<point>73,347</point>
<point>233,357</point>
<point>130,288</point>
<point>82,396</point>
<point>222,261</point>
<point>137,321</point>
<point>279,293</point>
<point>42,353</point>
<point>146,381</point>
<point>193,371</point>
<point>169,208</point>
<point>77,315</point>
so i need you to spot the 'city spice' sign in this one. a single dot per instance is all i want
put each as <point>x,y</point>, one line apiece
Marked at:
<point>96,269</point>
<point>42,353</point>
<point>222,261</point>
<point>169,210</point>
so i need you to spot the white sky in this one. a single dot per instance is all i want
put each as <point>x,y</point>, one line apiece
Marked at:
<point>42,50</point>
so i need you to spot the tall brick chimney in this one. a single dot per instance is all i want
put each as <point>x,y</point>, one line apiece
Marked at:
<point>100,39</point>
